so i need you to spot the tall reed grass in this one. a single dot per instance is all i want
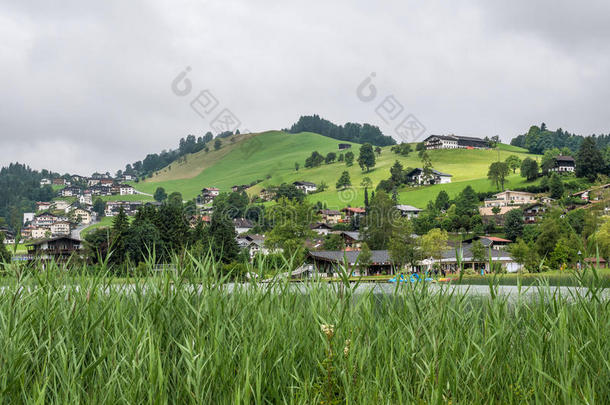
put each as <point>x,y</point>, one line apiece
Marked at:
<point>70,338</point>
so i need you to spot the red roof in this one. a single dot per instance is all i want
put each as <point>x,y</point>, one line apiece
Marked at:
<point>355,210</point>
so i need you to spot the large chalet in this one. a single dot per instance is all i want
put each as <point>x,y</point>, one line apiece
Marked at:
<point>454,142</point>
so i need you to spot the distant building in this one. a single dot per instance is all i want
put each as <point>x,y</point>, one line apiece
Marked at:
<point>408,211</point>
<point>45,182</point>
<point>28,217</point>
<point>39,232</point>
<point>564,164</point>
<point>321,228</point>
<point>351,240</point>
<point>242,225</point>
<point>417,176</point>
<point>208,194</point>
<point>70,192</point>
<point>330,216</point>
<point>510,197</point>
<point>534,213</point>
<point>349,212</point>
<point>267,194</point>
<point>84,215</point>
<point>343,146</point>
<point>59,182</point>
<point>331,262</point>
<point>62,205</point>
<point>85,199</point>
<point>305,186</point>
<point>237,189</point>
<point>43,206</point>
<point>126,189</point>
<point>60,228</point>
<point>454,142</point>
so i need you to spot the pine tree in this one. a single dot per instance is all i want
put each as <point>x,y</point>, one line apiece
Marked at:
<point>589,161</point>
<point>120,228</point>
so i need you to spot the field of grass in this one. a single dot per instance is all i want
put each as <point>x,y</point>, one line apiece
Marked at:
<point>273,154</point>
<point>104,222</point>
<point>158,340</point>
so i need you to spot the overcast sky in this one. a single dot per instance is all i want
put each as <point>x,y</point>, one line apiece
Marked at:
<point>87,85</point>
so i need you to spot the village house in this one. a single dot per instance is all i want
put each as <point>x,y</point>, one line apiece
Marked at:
<point>321,228</point>
<point>564,164</point>
<point>70,192</point>
<point>77,179</point>
<point>330,217</point>
<point>508,197</point>
<point>533,213</point>
<point>28,217</point>
<point>45,219</point>
<point>106,182</point>
<point>126,189</point>
<point>454,142</point>
<point>85,199</point>
<point>350,212</point>
<point>487,212</point>
<point>93,182</point>
<point>114,207</point>
<point>45,182</point>
<point>237,189</point>
<point>417,176</point>
<point>344,146</point>
<point>351,240</point>
<point>408,211</point>
<point>62,205</point>
<point>60,228</point>
<point>43,206</point>
<point>267,194</point>
<point>59,248</point>
<point>242,225</point>
<point>59,182</point>
<point>305,186</point>
<point>39,232</point>
<point>451,259</point>
<point>82,216</point>
<point>493,242</point>
<point>208,194</point>
<point>329,263</point>
<point>254,245</point>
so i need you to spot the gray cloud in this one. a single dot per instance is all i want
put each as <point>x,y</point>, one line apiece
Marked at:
<point>86,86</point>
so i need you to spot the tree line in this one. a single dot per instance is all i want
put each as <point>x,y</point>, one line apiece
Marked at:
<point>352,132</point>
<point>20,189</point>
<point>539,139</point>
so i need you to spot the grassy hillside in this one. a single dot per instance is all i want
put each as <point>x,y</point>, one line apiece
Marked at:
<point>270,156</point>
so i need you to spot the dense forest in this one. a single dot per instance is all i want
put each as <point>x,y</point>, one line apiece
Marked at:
<point>20,189</point>
<point>540,139</point>
<point>352,132</point>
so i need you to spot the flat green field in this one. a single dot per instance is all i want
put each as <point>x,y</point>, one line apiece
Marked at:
<point>273,154</point>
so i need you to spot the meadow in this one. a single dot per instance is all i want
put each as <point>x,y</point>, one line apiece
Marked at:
<point>70,338</point>
<point>271,157</point>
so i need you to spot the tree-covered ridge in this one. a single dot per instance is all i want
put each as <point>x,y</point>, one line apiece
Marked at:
<point>157,161</point>
<point>19,191</point>
<point>352,132</point>
<point>540,139</point>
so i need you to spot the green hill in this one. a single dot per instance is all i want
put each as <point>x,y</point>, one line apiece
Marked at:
<point>271,157</point>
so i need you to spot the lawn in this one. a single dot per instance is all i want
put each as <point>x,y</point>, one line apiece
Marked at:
<point>271,157</point>
<point>158,340</point>
<point>104,222</point>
